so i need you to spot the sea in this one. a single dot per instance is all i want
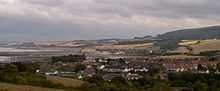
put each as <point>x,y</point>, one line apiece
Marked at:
<point>13,50</point>
<point>8,49</point>
<point>35,51</point>
<point>4,58</point>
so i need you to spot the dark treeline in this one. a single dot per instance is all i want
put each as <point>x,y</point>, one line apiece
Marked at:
<point>68,58</point>
<point>165,45</point>
<point>24,73</point>
<point>176,82</point>
<point>195,82</point>
<point>134,42</point>
<point>96,83</point>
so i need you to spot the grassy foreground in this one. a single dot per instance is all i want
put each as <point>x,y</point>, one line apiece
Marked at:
<point>67,82</point>
<point>15,87</point>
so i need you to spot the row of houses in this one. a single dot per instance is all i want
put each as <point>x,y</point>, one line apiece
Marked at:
<point>137,68</point>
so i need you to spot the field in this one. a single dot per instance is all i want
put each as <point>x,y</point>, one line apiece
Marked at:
<point>180,50</point>
<point>178,57</point>
<point>13,87</point>
<point>127,46</point>
<point>189,42</point>
<point>201,45</point>
<point>117,47</point>
<point>206,45</point>
<point>67,82</point>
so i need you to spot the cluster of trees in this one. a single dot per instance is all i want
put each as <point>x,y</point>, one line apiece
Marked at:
<point>185,81</point>
<point>68,58</point>
<point>137,52</point>
<point>168,44</point>
<point>210,53</point>
<point>195,82</point>
<point>24,73</point>
<point>73,61</point>
<point>96,83</point>
<point>134,42</point>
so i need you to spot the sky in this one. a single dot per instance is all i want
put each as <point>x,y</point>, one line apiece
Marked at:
<point>30,20</point>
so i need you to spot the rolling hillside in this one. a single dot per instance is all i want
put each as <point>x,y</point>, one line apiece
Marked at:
<point>199,46</point>
<point>193,34</point>
<point>206,45</point>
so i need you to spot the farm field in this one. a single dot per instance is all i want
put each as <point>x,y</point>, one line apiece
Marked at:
<point>178,57</point>
<point>67,82</point>
<point>128,46</point>
<point>13,87</point>
<point>189,42</point>
<point>201,45</point>
<point>206,45</point>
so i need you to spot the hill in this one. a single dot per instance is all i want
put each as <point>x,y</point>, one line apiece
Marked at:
<point>193,34</point>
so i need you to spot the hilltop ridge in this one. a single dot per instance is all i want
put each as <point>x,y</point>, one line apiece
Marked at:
<point>193,33</point>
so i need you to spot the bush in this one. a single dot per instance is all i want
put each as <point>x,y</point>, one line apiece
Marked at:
<point>68,58</point>
<point>166,45</point>
<point>14,73</point>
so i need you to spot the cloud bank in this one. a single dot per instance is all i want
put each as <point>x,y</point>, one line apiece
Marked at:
<point>93,19</point>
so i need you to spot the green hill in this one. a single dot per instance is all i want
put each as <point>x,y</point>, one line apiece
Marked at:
<point>195,33</point>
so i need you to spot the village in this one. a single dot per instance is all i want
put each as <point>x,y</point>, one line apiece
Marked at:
<point>131,68</point>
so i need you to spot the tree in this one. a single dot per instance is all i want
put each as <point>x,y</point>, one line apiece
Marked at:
<point>168,44</point>
<point>79,67</point>
<point>218,67</point>
<point>161,87</point>
<point>119,80</point>
<point>68,58</point>
<point>199,86</point>
<point>154,71</point>
<point>211,69</point>
<point>26,67</point>
<point>10,68</point>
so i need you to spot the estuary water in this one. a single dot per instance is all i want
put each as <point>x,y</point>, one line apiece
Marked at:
<point>6,49</point>
<point>4,58</point>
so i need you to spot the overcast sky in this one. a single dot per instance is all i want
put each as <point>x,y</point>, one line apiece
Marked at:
<point>94,19</point>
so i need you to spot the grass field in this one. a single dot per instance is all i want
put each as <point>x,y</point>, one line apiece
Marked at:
<point>178,57</point>
<point>13,87</point>
<point>67,82</point>
<point>128,46</point>
<point>201,45</point>
<point>206,45</point>
<point>189,42</point>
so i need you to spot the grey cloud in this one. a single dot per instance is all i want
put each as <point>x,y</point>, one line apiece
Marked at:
<point>46,2</point>
<point>161,8</point>
<point>127,8</point>
<point>91,19</point>
<point>27,29</point>
<point>192,8</point>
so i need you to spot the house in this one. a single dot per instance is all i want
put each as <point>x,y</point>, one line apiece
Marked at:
<point>51,73</point>
<point>89,72</point>
<point>110,76</point>
<point>134,76</point>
